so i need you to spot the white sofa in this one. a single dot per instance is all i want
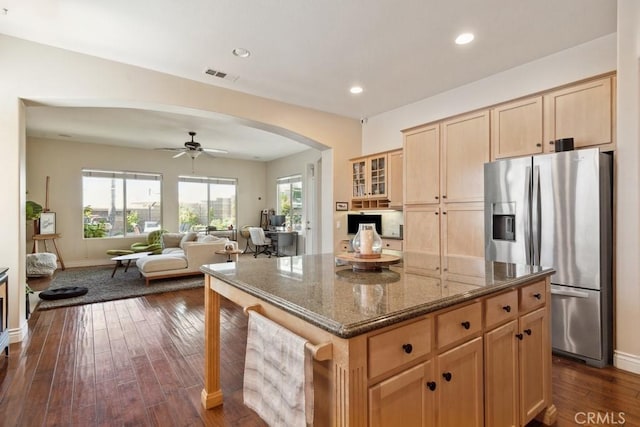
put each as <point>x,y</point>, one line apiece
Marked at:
<point>182,255</point>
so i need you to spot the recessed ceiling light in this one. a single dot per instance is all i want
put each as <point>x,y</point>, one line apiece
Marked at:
<point>241,52</point>
<point>356,90</point>
<point>464,38</point>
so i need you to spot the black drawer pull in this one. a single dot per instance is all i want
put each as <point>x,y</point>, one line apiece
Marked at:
<point>519,336</point>
<point>466,325</point>
<point>527,331</point>
<point>537,296</point>
<point>507,308</point>
<point>431,385</point>
<point>408,348</point>
<point>447,376</point>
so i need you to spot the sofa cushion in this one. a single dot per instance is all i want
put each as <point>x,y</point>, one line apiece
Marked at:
<point>166,262</point>
<point>207,238</point>
<point>173,251</point>
<point>191,236</point>
<point>171,240</point>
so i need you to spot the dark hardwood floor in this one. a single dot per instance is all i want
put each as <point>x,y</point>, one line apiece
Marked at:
<point>139,362</point>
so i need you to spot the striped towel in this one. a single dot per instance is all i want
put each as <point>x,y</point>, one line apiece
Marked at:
<point>278,374</point>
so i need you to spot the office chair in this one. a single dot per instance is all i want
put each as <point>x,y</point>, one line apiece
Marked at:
<point>260,241</point>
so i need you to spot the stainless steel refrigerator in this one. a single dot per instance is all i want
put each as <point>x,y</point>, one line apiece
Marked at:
<point>555,210</point>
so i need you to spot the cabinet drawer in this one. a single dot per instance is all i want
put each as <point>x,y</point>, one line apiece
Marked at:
<point>392,244</point>
<point>501,308</point>
<point>399,346</point>
<point>532,296</point>
<point>458,324</point>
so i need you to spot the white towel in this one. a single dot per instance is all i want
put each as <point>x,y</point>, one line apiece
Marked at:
<point>278,374</point>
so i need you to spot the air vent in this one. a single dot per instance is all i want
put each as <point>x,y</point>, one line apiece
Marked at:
<point>221,74</point>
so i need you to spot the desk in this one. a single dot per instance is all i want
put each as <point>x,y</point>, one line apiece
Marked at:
<point>283,239</point>
<point>44,237</point>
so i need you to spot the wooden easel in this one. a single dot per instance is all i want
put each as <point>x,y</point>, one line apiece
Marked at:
<point>44,237</point>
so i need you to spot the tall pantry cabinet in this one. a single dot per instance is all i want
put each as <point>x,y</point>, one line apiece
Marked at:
<point>444,167</point>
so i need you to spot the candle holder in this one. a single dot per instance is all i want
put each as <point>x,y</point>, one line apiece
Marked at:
<point>367,242</point>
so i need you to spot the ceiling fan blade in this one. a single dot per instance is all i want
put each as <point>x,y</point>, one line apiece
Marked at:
<point>179,154</point>
<point>214,150</point>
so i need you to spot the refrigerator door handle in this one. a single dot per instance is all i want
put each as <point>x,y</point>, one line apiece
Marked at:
<point>527,216</point>
<point>567,293</point>
<point>535,216</point>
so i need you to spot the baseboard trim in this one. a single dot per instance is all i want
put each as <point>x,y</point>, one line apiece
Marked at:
<point>626,361</point>
<point>18,334</point>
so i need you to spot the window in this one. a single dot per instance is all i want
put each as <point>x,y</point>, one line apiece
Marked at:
<point>206,202</point>
<point>290,200</point>
<point>118,204</point>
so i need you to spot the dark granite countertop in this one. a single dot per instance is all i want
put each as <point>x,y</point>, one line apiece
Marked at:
<point>345,303</point>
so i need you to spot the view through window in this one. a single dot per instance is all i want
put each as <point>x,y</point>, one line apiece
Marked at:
<point>207,202</point>
<point>290,200</point>
<point>118,204</point>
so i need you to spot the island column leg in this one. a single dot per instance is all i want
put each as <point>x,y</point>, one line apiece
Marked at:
<point>212,393</point>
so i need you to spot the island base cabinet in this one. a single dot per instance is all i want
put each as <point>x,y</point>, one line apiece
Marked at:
<point>404,399</point>
<point>501,376</point>
<point>459,379</point>
<point>532,358</point>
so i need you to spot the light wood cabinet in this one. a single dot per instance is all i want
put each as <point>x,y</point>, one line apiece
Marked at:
<point>422,242</point>
<point>422,165</point>
<point>404,399</point>
<point>465,150</point>
<point>459,397</point>
<point>396,180</point>
<point>463,239</point>
<point>584,112</point>
<point>369,177</point>
<point>516,128</point>
<point>517,358</point>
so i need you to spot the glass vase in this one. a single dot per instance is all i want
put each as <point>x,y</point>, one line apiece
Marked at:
<point>367,242</point>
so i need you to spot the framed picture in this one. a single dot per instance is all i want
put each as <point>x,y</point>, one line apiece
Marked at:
<point>342,206</point>
<point>48,223</point>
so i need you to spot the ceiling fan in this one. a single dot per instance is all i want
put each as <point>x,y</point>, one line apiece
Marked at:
<point>193,149</point>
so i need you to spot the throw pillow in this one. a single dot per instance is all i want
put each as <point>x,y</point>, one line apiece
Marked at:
<point>188,237</point>
<point>171,240</point>
<point>207,238</point>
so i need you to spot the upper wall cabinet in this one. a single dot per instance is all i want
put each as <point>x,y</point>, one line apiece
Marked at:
<point>465,150</point>
<point>369,176</point>
<point>516,128</point>
<point>584,112</point>
<point>395,184</point>
<point>422,165</point>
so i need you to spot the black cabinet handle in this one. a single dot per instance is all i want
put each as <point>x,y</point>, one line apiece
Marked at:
<point>447,376</point>
<point>408,348</point>
<point>444,197</point>
<point>538,145</point>
<point>527,331</point>
<point>444,213</point>
<point>431,385</point>
<point>466,325</point>
<point>551,142</point>
<point>519,336</point>
<point>436,213</point>
<point>507,308</point>
<point>537,296</point>
<point>437,197</point>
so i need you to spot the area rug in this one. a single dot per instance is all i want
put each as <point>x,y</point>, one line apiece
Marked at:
<point>102,287</point>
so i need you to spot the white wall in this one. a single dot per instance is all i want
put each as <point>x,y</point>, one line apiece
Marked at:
<point>66,188</point>
<point>627,348</point>
<point>79,80</point>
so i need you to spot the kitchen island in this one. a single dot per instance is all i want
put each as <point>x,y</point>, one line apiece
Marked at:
<point>400,347</point>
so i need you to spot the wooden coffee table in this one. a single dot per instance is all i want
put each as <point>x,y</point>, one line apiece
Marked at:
<point>130,257</point>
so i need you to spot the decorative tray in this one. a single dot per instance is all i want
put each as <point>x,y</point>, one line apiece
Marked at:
<point>367,263</point>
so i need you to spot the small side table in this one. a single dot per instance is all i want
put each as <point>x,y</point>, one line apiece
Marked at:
<point>229,253</point>
<point>44,237</point>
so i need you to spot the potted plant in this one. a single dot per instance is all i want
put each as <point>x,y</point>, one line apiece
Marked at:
<point>33,211</point>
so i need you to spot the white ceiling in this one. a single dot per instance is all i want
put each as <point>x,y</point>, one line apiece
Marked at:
<point>309,53</point>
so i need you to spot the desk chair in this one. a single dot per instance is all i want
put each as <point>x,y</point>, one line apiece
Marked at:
<point>260,241</point>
